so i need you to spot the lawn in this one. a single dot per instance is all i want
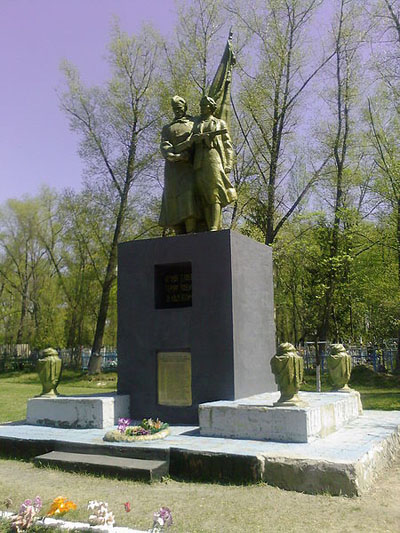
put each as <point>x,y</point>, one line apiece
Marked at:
<point>210,508</point>
<point>378,391</point>
<point>17,387</point>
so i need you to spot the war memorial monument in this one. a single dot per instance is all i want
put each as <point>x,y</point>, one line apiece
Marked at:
<point>196,348</point>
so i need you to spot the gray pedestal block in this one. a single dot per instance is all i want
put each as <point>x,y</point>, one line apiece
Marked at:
<point>225,321</point>
<point>96,411</point>
<point>256,418</point>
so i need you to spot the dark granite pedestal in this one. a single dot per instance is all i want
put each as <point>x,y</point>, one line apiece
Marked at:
<point>195,322</point>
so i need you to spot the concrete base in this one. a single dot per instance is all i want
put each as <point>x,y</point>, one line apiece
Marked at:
<point>97,411</point>
<point>224,323</point>
<point>255,418</point>
<point>346,462</point>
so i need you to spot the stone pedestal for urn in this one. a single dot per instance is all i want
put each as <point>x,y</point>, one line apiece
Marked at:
<point>78,412</point>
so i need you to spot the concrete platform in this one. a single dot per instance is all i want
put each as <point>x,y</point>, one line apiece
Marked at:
<point>345,462</point>
<point>94,411</point>
<point>256,418</point>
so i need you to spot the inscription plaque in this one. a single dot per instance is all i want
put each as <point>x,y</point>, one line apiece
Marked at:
<point>174,378</point>
<point>173,285</point>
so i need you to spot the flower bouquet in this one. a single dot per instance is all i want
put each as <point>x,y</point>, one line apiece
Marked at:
<point>28,514</point>
<point>61,505</point>
<point>148,429</point>
<point>161,520</point>
<point>99,514</point>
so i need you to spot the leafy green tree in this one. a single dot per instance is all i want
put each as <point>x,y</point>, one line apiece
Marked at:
<point>191,59</point>
<point>341,170</point>
<point>385,139</point>
<point>271,90</point>
<point>69,239</point>
<point>31,314</point>
<point>116,125</point>
<point>384,121</point>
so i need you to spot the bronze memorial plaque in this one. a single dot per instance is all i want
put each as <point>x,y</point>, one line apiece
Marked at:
<point>175,379</point>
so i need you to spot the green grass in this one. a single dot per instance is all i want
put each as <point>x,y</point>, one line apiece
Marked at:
<point>207,507</point>
<point>378,391</point>
<point>17,387</point>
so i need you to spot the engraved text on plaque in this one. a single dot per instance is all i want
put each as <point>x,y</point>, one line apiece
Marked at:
<point>173,285</point>
<point>174,378</point>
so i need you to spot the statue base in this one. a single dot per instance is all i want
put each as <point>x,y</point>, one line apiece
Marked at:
<point>259,417</point>
<point>195,322</point>
<point>346,389</point>
<point>294,401</point>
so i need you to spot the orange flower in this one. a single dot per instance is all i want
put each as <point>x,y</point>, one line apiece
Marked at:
<point>60,505</point>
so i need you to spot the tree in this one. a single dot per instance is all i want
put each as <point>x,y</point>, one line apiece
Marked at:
<point>270,94</point>
<point>385,139</point>
<point>341,173</point>
<point>191,61</point>
<point>116,125</point>
<point>383,117</point>
<point>27,277</point>
<point>69,232</point>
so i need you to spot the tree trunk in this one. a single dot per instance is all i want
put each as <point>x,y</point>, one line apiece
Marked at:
<point>72,328</point>
<point>397,369</point>
<point>276,141</point>
<point>294,317</point>
<point>94,366</point>
<point>317,366</point>
<point>24,300</point>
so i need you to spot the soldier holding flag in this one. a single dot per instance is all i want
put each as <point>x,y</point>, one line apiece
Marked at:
<point>210,145</point>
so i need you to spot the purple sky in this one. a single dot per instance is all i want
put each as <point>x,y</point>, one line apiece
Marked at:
<point>36,146</point>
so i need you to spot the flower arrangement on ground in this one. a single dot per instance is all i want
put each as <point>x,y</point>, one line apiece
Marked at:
<point>99,514</point>
<point>27,515</point>
<point>60,506</point>
<point>161,520</point>
<point>148,429</point>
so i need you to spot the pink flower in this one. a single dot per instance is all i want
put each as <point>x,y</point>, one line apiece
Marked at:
<point>27,515</point>
<point>37,503</point>
<point>123,423</point>
<point>163,517</point>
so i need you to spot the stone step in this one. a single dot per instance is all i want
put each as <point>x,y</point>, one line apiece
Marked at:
<point>27,447</point>
<point>134,451</point>
<point>143,469</point>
